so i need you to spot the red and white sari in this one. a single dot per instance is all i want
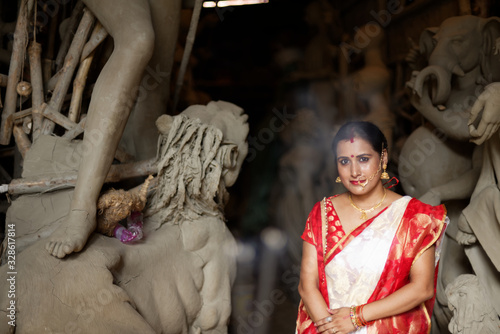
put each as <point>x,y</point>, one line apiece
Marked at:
<point>374,260</point>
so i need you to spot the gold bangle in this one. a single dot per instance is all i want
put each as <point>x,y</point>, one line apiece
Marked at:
<point>354,319</point>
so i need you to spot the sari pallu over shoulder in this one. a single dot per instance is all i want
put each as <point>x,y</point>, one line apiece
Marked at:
<point>421,227</point>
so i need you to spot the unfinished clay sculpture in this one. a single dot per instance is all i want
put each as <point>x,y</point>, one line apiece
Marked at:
<point>137,75</point>
<point>472,310</point>
<point>303,177</point>
<point>461,58</point>
<point>366,91</point>
<point>438,162</point>
<point>177,278</point>
<point>479,223</point>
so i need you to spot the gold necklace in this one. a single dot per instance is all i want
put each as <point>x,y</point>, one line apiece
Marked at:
<point>365,211</point>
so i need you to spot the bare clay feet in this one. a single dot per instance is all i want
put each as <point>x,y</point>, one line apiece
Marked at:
<point>72,235</point>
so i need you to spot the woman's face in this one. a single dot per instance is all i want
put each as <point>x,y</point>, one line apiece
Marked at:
<point>357,163</point>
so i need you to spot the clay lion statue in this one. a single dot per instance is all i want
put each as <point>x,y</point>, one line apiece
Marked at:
<point>176,279</point>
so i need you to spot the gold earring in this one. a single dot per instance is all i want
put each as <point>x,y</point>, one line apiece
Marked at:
<point>338,180</point>
<point>384,175</point>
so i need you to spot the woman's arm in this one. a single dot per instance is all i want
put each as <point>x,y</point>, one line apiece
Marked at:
<point>418,290</point>
<point>309,284</point>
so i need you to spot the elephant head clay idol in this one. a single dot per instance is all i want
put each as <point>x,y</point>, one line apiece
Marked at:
<point>462,59</point>
<point>441,161</point>
<point>464,46</point>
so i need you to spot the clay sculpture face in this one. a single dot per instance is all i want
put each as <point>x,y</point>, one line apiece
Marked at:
<point>460,45</point>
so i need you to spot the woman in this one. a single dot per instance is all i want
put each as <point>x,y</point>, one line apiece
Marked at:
<point>369,261</point>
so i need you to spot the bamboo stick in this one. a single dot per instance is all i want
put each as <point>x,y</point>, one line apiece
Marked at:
<point>31,7</point>
<point>81,77</point>
<point>57,118</point>
<point>22,113</point>
<point>51,83</point>
<point>116,173</point>
<point>7,123</point>
<point>77,130</point>
<point>16,65</point>
<point>195,17</point>
<point>78,88</point>
<point>47,73</point>
<point>66,40</point>
<point>17,118</point>
<point>21,118</point>
<point>34,51</point>
<point>70,63</point>
<point>98,36</point>
<point>131,170</point>
<point>49,45</point>
<point>22,141</point>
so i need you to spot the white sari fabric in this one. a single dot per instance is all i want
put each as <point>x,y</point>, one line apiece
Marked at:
<point>353,274</point>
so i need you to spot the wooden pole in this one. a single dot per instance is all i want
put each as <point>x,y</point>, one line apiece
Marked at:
<point>78,88</point>
<point>34,52</point>
<point>18,117</point>
<point>22,141</point>
<point>70,29</point>
<point>81,77</point>
<point>98,36</point>
<point>51,82</point>
<point>195,17</point>
<point>76,131</point>
<point>49,48</point>
<point>116,173</point>
<point>15,68</point>
<point>57,118</point>
<point>70,63</point>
